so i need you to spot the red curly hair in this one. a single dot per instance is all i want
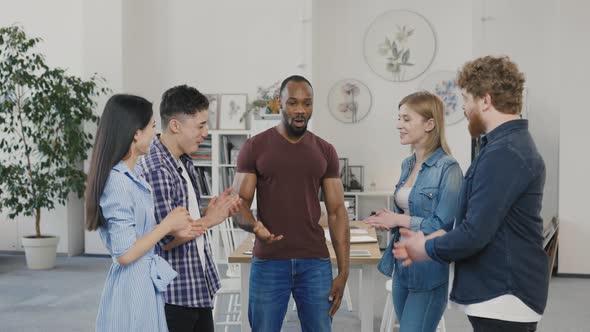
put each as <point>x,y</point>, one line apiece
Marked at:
<point>497,76</point>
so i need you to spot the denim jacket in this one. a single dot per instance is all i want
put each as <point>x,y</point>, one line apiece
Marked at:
<point>433,204</point>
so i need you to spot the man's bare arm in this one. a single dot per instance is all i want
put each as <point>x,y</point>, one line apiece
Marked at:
<point>338,222</point>
<point>340,235</point>
<point>244,186</point>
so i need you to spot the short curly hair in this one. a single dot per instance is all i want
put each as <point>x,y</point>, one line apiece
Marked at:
<point>497,76</point>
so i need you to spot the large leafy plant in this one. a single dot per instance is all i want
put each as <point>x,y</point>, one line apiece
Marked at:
<point>42,115</point>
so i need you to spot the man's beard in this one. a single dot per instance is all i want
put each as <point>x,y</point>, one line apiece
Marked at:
<point>476,126</point>
<point>294,131</point>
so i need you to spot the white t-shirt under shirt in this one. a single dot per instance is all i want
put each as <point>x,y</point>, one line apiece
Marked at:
<point>193,209</point>
<point>402,199</point>
<point>504,307</point>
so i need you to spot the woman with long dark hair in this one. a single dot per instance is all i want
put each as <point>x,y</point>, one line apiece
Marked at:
<point>120,206</point>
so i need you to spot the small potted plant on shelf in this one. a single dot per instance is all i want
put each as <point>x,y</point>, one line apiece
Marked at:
<point>266,105</point>
<point>43,143</point>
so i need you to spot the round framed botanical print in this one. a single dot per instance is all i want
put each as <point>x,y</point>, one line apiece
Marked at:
<point>442,83</point>
<point>399,45</point>
<point>349,100</point>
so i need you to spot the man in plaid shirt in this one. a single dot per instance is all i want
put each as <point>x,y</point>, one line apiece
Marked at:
<point>169,169</point>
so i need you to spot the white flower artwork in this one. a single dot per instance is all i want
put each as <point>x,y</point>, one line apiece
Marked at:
<point>231,110</point>
<point>399,45</point>
<point>349,100</point>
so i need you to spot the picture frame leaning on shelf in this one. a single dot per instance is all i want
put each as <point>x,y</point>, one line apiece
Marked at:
<point>231,110</point>
<point>213,109</point>
<point>356,178</point>
<point>343,166</point>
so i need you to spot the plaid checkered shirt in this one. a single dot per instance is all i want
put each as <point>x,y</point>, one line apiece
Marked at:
<point>194,287</point>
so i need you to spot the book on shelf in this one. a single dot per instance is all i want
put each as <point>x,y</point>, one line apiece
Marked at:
<point>203,151</point>
<point>230,148</point>
<point>203,154</point>
<point>202,161</point>
<point>201,157</point>
<point>226,146</point>
<point>227,177</point>
<point>233,155</point>
<point>203,180</point>
<point>208,181</point>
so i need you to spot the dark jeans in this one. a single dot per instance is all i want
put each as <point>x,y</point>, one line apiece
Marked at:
<point>481,324</point>
<point>185,319</point>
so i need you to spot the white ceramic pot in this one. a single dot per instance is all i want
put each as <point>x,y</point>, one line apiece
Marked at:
<point>40,252</point>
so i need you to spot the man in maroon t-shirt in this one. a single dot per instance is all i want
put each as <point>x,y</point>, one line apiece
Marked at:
<point>286,166</point>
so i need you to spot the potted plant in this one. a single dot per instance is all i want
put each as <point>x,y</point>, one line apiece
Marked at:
<point>43,143</point>
<point>267,104</point>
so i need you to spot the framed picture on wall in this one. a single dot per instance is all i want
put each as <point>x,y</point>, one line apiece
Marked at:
<point>442,83</point>
<point>213,110</point>
<point>349,101</point>
<point>343,164</point>
<point>356,178</point>
<point>399,45</point>
<point>232,108</point>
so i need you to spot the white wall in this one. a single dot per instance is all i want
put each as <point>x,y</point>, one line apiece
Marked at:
<point>233,46</point>
<point>574,137</point>
<point>146,47</point>
<point>339,27</point>
<point>499,29</point>
<point>62,39</point>
<point>538,36</point>
<point>9,233</point>
<point>225,46</point>
<point>63,46</point>
<point>103,54</point>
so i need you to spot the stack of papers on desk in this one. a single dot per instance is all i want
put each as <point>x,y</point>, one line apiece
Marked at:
<point>356,236</point>
<point>362,239</point>
<point>360,253</point>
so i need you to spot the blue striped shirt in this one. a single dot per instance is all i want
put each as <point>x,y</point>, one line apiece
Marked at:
<point>195,286</point>
<point>133,295</point>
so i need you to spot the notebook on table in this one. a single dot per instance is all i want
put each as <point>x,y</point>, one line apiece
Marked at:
<point>362,239</point>
<point>360,253</point>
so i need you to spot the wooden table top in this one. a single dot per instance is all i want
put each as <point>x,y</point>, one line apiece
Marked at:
<point>238,255</point>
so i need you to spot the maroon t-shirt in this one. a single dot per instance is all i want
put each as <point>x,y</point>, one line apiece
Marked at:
<point>289,177</point>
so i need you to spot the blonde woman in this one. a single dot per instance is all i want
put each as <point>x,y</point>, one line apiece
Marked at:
<point>425,199</point>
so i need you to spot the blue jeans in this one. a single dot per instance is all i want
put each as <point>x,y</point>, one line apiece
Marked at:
<point>419,311</point>
<point>273,281</point>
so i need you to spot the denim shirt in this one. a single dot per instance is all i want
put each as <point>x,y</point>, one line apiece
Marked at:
<point>497,243</point>
<point>433,206</point>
